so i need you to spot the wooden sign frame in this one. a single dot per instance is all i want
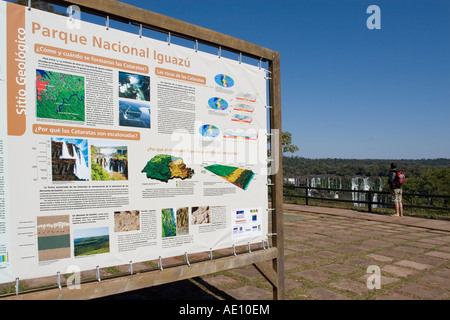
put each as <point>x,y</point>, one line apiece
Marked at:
<point>270,261</point>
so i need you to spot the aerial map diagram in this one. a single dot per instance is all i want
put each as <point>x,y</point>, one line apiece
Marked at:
<point>60,96</point>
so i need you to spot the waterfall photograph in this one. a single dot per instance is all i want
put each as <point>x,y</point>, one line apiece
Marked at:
<point>70,159</point>
<point>109,160</point>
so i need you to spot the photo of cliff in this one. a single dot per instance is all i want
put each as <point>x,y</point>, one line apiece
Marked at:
<point>69,159</point>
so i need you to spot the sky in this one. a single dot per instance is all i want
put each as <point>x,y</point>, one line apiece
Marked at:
<point>347,91</point>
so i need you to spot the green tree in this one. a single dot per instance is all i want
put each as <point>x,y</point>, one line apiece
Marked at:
<point>286,140</point>
<point>286,143</point>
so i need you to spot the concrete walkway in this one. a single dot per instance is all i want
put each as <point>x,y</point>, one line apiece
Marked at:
<point>327,255</point>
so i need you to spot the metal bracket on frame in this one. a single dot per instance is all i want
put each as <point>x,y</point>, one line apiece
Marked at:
<point>186,259</point>
<point>58,280</point>
<point>17,286</point>
<point>210,254</point>
<point>160,265</point>
<point>98,274</point>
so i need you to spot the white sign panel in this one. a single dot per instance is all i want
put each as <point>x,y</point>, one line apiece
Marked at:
<point>118,148</point>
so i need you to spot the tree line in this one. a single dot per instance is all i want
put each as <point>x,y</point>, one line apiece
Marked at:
<point>430,176</point>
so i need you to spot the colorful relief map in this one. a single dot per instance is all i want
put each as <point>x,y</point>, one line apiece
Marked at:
<point>210,131</point>
<point>224,81</point>
<point>164,167</point>
<point>60,96</point>
<point>237,176</point>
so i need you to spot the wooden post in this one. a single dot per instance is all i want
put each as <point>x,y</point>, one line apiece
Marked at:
<point>277,178</point>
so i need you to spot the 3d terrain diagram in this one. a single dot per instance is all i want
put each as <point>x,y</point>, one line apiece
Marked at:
<point>164,167</point>
<point>237,176</point>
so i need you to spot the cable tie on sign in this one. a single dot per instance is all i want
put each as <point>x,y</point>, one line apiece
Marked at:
<point>29,4</point>
<point>271,234</point>
<point>268,107</point>
<point>17,286</point>
<point>263,244</point>
<point>140,30</point>
<point>270,209</point>
<point>131,267</point>
<point>268,244</point>
<point>248,246</point>
<point>220,52</point>
<point>196,45</point>
<point>107,22</point>
<point>234,250</point>
<point>240,57</point>
<point>58,280</point>
<point>186,259</point>
<point>210,254</point>
<point>260,63</point>
<point>270,160</point>
<point>98,274</point>
<point>267,78</point>
<point>270,184</point>
<point>168,39</point>
<point>160,266</point>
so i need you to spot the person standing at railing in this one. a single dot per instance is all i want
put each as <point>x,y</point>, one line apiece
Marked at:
<point>396,179</point>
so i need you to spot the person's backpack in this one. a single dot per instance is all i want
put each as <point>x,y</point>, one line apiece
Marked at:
<point>399,179</point>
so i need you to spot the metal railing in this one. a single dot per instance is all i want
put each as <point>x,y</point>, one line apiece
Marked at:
<point>370,198</point>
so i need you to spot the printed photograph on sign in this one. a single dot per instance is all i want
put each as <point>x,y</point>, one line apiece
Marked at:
<point>183,221</point>
<point>169,223</point>
<point>60,96</point>
<point>109,160</point>
<point>134,114</point>
<point>53,237</point>
<point>201,215</point>
<point>91,241</point>
<point>134,86</point>
<point>70,159</point>
<point>127,220</point>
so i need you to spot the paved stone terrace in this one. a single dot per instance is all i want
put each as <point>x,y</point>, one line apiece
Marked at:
<point>327,253</point>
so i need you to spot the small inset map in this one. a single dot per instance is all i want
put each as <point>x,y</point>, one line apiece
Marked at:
<point>60,96</point>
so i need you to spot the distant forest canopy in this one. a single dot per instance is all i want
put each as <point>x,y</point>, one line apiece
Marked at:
<point>294,166</point>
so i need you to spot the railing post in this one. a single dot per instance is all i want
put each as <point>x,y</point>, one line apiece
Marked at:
<point>306,196</point>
